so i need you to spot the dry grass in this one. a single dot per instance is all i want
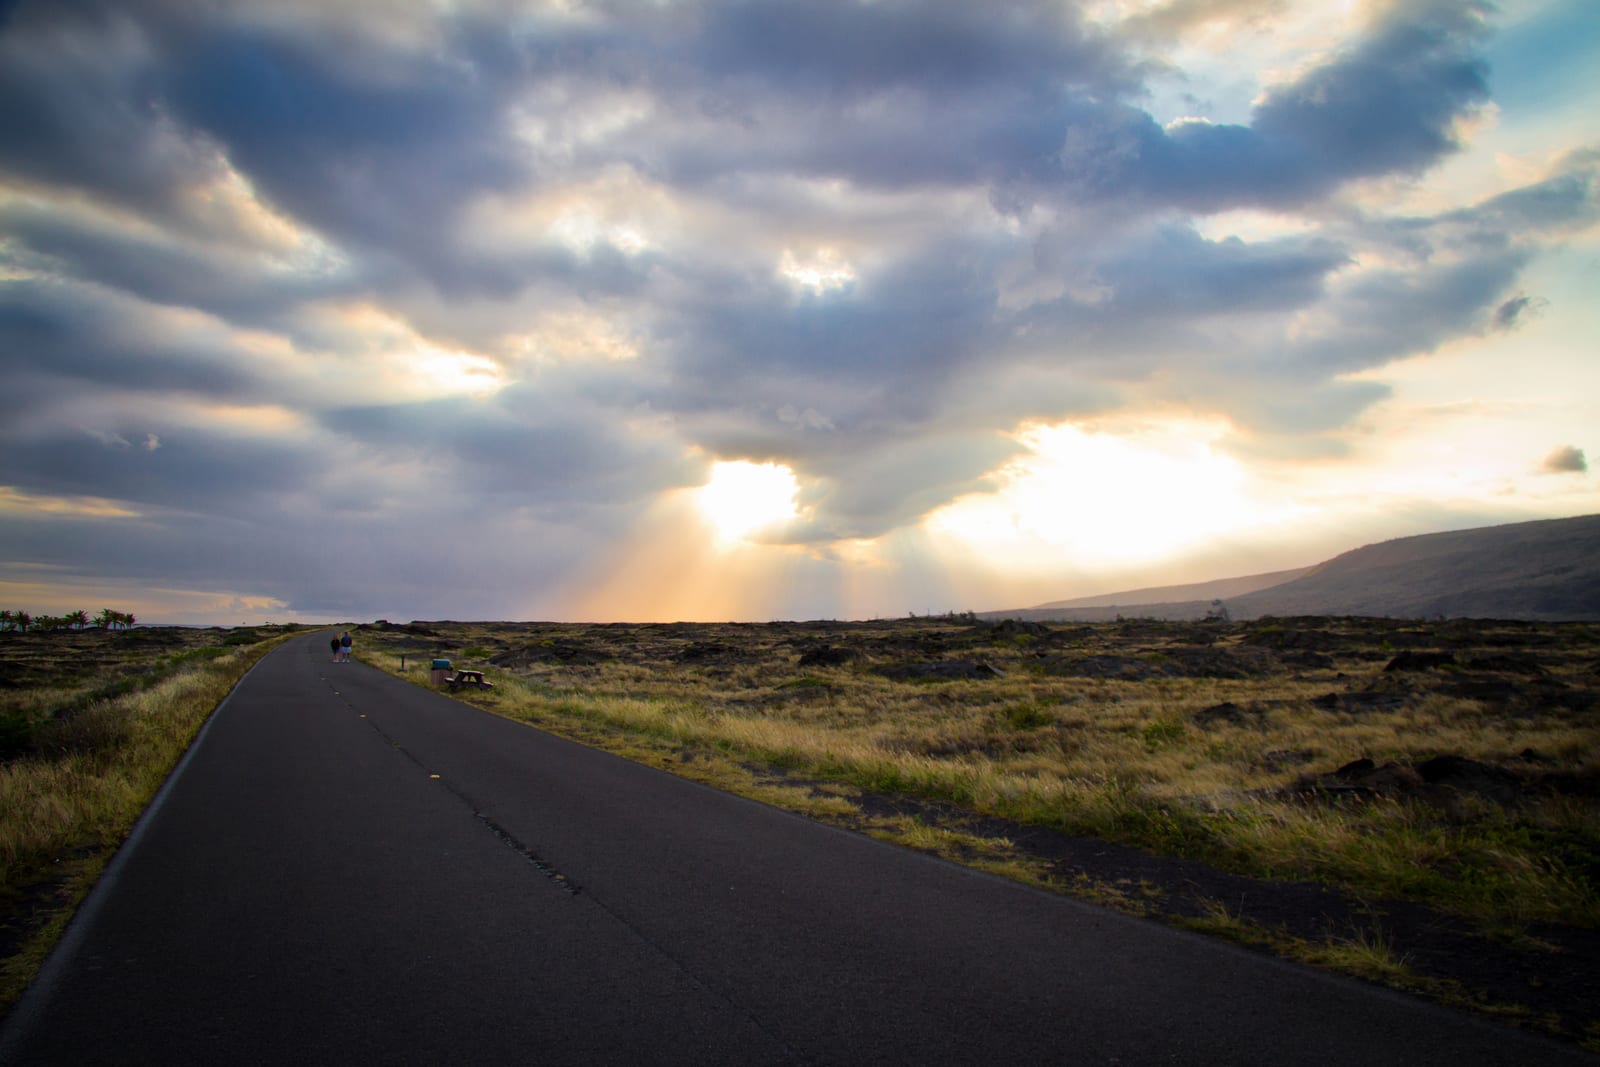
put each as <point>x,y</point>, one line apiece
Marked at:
<point>1186,763</point>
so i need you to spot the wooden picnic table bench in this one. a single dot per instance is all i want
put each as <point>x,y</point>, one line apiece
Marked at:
<point>472,678</point>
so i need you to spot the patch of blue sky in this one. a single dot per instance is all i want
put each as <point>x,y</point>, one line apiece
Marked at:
<point>1548,58</point>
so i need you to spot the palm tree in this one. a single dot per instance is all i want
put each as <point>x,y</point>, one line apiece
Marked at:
<point>78,619</point>
<point>21,620</point>
<point>5,618</point>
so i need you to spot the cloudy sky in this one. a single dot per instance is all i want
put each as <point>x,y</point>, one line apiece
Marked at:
<point>722,310</point>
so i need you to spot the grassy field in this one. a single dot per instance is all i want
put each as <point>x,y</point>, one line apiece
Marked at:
<point>1444,770</point>
<point>91,723</point>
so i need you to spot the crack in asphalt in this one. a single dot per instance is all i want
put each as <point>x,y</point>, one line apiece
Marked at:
<point>510,841</point>
<point>504,836</point>
<point>549,871</point>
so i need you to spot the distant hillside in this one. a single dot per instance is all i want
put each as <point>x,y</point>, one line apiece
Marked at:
<point>1548,570</point>
<point>1529,570</point>
<point>1222,588</point>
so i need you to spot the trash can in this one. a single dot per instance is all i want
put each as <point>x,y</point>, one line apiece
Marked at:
<point>441,671</point>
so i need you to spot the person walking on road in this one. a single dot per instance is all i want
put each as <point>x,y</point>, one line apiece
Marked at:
<point>344,647</point>
<point>333,644</point>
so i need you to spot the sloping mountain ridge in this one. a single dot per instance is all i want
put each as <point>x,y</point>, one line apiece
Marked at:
<point>1547,570</point>
<point>1222,588</point>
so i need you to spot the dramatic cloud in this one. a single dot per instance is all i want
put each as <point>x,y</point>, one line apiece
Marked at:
<point>415,309</point>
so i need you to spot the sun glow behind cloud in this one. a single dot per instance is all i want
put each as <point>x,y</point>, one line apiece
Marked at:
<point>1105,497</point>
<point>456,372</point>
<point>743,498</point>
<point>822,273</point>
<point>686,559</point>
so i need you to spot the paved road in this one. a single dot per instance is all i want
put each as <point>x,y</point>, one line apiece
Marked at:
<point>348,869</point>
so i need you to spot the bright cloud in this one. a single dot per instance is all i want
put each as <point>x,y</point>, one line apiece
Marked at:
<point>745,498</point>
<point>1109,498</point>
<point>975,307</point>
<point>819,274</point>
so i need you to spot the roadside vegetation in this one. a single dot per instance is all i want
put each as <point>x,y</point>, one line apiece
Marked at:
<point>1448,766</point>
<point>91,724</point>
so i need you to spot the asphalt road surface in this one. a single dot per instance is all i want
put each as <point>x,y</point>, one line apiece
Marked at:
<point>348,869</point>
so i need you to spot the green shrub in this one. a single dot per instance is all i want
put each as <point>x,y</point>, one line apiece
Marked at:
<point>1159,733</point>
<point>1027,716</point>
<point>804,683</point>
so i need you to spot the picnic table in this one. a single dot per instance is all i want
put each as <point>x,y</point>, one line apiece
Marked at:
<point>468,678</point>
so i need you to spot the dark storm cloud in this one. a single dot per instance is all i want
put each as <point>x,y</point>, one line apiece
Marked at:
<point>1176,273</point>
<point>53,334</point>
<point>328,565</point>
<point>381,164</point>
<point>889,94</point>
<point>1388,314</point>
<point>83,113</point>
<point>853,49</point>
<point>546,455</point>
<point>1034,106</point>
<point>234,283</point>
<point>191,470</point>
<point>1388,105</point>
<point>372,148</point>
<point>896,336</point>
<point>889,355</point>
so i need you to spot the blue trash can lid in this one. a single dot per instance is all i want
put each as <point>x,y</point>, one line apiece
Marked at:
<point>441,664</point>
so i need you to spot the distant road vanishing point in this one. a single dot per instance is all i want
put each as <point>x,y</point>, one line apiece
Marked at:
<point>347,869</point>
